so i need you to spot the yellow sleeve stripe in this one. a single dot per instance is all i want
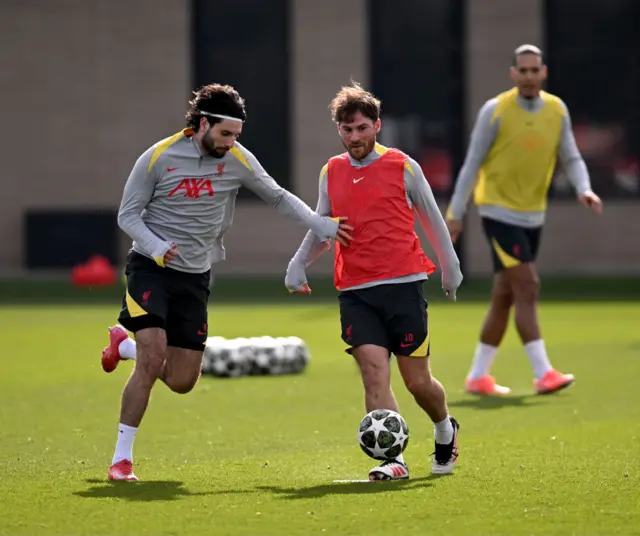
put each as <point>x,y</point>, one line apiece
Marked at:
<point>380,149</point>
<point>241,157</point>
<point>163,146</point>
<point>408,167</point>
<point>323,172</point>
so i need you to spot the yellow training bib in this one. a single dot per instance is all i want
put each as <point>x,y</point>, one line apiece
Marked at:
<point>517,172</point>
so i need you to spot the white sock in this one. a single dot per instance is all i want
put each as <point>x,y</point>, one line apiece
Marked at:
<point>127,349</point>
<point>400,459</point>
<point>124,446</point>
<point>444,431</point>
<point>538,355</point>
<point>482,360</point>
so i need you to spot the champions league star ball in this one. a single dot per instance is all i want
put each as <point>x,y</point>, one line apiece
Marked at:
<point>383,434</point>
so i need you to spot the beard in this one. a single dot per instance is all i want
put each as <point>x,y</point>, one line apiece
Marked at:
<point>529,91</point>
<point>209,146</point>
<point>360,149</point>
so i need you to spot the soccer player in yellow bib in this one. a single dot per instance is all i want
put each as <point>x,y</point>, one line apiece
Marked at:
<point>511,158</point>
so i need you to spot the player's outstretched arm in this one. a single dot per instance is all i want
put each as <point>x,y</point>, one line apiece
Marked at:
<point>290,206</point>
<point>482,137</point>
<point>138,191</point>
<point>435,227</point>
<point>311,247</point>
<point>575,166</point>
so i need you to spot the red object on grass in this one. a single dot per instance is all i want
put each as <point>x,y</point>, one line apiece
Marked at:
<point>97,271</point>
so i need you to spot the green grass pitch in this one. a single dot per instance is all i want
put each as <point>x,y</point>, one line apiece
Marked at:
<point>258,456</point>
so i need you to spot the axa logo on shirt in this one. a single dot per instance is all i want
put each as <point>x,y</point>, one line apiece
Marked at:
<point>193,188</point>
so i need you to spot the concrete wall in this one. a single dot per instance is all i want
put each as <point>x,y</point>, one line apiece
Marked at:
<point>87,86</point>
<point>319,66</point>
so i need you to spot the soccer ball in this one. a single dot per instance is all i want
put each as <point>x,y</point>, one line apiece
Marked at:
<point>264,360</point>
<point>297,355</point>
<point>383,434</point>
<point>212,354</point>
<point>254,356</point>
<point>225,359</point>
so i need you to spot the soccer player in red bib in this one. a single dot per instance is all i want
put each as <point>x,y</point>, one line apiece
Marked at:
<point>381,273</point>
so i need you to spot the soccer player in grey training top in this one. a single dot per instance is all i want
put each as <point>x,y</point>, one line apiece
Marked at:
<point>177,205</point>
<point>512,155</point>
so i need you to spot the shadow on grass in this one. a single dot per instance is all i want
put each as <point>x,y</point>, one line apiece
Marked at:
<point>496,402</point>
<point>169,490</point>
<point>148,491</point>
<point>349,488</point>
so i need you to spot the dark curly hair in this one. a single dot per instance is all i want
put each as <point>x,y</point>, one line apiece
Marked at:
<point>215,99</point>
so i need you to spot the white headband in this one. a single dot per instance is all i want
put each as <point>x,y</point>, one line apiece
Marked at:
<point>221,116</point>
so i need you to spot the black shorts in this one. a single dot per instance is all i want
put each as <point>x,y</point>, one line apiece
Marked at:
<point>164,298</point>
<point>511,245</point>
<point>393,316</point>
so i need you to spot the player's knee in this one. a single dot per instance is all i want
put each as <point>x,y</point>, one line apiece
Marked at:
<point>416,374</point>
<point>146,373</point>
<point>526,290</point>
<point>375,378</point>
<point>374,367</point>
<point>149,365</point>
<point>151,349</point>
<point>182,386</point>
<point>418,384</point>
<point>501,293</point>
<point>502,296</point>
